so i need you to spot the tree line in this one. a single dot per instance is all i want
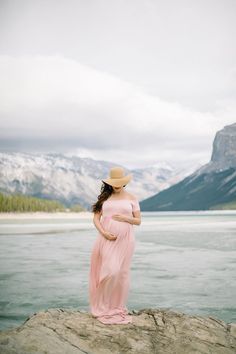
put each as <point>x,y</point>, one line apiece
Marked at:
<point>22,203</point>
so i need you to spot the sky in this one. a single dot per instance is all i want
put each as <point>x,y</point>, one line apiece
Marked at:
<point>134,82</point>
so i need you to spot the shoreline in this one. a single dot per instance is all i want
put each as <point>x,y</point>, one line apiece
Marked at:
<point>46,215</point>
<point>89,215</point>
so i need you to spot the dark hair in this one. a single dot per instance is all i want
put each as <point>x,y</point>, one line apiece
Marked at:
<point>106,191</point>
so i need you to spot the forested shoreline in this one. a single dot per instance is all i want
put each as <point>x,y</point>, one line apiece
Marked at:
<point>22,203</point>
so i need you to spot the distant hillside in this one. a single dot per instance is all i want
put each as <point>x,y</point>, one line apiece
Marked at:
<point>211,186</point>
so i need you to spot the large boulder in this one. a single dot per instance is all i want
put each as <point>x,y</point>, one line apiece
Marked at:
<point>62,331</point>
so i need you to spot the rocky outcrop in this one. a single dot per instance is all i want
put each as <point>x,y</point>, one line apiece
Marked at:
<point>223,151</point>
<point>62,331</point>
<point>224,147</point>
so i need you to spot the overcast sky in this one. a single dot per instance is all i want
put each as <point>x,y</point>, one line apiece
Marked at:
<point>134,82</point>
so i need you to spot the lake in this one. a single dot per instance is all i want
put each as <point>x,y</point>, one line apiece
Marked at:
<point>185,261</point>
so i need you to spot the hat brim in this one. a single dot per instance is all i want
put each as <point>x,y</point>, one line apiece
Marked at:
<point>117,182</point>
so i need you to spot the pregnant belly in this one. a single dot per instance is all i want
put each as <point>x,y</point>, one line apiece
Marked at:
<point>118,228</point>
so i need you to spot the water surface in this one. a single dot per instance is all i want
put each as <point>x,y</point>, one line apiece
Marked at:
<point>183,261</point>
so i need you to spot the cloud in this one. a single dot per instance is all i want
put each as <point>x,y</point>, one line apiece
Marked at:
<point>53,101</point>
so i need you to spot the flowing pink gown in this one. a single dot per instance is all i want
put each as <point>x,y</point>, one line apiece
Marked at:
<point>109,277</point>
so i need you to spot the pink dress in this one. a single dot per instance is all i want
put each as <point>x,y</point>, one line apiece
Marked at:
<point>109,277</point>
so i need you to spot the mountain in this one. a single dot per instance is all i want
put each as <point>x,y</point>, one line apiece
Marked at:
<point>157,177</point>
<point>210,186</point>
<point>70,180</point>
<point>75,180</point>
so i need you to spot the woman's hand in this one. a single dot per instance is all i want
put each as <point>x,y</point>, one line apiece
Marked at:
<point>109,236</point>
<point>119,217</point>
<point>130,219</point>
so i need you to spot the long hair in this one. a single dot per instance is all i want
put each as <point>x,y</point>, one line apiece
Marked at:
<point>106,191</point>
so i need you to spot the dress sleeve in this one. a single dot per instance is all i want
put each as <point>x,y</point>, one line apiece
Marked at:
<point>135,205</point>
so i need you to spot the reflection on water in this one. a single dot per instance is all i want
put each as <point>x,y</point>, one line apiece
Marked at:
<point>183,260</point>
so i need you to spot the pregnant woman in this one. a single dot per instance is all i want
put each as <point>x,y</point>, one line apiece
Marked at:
<point>115,213</point>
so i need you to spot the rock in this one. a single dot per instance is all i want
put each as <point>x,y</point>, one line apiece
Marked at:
<point>62,331</point>
<point>223,152</point>
<point>224,147</point>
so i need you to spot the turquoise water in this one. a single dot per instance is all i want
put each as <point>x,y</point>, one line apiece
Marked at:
<point>184,261</point>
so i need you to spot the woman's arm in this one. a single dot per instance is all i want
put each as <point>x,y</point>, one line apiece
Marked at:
<point>96,220</point>
<point>136,220</point>
<point>97,223</point>
<point>133,220</point>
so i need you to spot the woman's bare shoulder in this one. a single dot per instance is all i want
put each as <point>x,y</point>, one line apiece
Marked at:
<point>132,196</point>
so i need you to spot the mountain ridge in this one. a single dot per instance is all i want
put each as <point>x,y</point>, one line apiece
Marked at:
<point>75,180</point>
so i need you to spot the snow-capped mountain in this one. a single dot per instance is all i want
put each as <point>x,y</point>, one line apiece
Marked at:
<point>209,186</point>
<point>76,180</point>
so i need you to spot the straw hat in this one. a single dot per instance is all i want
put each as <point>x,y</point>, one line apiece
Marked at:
<point>117,177</point>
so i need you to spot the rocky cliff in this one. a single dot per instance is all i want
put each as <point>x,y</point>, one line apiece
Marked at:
<point>224,147</point>
<point>61,331</point>
<point>223,151</point>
